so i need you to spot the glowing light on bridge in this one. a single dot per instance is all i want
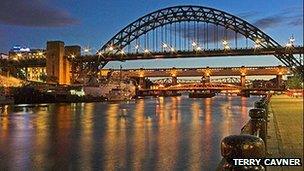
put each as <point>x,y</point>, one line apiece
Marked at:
<point>86,50</point>
<point>122,52</point>
<point>226,45</point>
<point>146,51</point>
<point>290,42</point>
<point>292,39</point>
<point>288,45</point>
<point>257,44</point>
<point>136,46</point>
<point>111,48</point>
<point>198,48</point>
<point>165,45</point>
<point>99,53</point>
<point>194,44</point>
<point>172,50</point>
<point>225,42</point>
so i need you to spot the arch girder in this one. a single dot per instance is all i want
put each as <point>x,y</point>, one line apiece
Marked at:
<point>193,13</point>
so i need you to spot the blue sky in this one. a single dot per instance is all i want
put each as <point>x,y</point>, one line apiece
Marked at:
<point>93,22</point>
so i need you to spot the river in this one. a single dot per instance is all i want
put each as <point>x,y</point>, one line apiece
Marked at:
<point>171,133</point>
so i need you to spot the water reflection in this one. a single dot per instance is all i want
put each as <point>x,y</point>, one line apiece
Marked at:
<point>150,134</point>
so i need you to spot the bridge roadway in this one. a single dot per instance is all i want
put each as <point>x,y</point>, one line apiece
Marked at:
<point>190,54</point>
<point>191,72</point>
<point>41,62</point>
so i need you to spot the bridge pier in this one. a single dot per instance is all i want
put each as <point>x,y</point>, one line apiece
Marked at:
<point>279,80</point>
<point>174,80</point>
<point>142,82</point>
<point>243,80</point>
<point>206,79</point>
<point>70,51</point>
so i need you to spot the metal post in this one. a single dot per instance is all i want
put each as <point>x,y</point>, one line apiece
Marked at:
<point>258,124</point>
<point>236,147</point>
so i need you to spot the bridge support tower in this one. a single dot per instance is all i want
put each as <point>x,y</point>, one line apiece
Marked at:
<point>279,80</point>
<point>174,80</point>
<point>243,80</point>
<point>142,82</point>
<point>58,67</point>
<point>70,51</point>
<point>206,79</point>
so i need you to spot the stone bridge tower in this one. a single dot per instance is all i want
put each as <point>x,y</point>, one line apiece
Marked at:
<point>58,67</point>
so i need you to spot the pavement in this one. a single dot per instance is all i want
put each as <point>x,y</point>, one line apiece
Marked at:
<point>285,130</point>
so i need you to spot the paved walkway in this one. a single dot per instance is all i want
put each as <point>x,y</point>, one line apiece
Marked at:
<point>285,129</point>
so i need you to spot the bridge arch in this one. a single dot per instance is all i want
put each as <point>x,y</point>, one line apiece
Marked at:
<point>189,13</point>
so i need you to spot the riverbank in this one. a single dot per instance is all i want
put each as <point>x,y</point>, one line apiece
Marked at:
<point>285,129</point>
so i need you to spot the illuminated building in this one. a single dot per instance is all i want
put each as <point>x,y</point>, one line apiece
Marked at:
<point>18,53</point>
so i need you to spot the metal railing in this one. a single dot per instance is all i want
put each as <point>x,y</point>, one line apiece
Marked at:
<point>251,143</point>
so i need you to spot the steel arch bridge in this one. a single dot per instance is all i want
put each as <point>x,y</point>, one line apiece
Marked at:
<point>155,34</point>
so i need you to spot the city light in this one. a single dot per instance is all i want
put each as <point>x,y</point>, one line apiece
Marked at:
<point>172,49</point>
<point>198,48</point>
<point>136,46</point>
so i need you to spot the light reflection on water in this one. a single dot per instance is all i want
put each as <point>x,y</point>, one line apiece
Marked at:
<point>171,133</point>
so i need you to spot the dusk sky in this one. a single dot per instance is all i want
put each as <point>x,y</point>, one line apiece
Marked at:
<point>91,23</point>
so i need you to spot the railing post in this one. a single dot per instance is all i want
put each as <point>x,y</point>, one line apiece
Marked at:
<point>241,147</point>
<point>258,123</point>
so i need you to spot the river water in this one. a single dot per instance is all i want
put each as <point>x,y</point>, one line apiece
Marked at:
<point>171,133</point>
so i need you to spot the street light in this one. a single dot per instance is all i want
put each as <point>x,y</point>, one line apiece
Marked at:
<point>226,45</point>
<point>146,51</point>
<point>225,42</point>
<point>288,45</point>
<point>198,48</point>
<point>194,44</point>
<point>99,53</point>
<point>111,48</point>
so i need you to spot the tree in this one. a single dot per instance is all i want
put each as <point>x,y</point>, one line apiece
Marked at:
<point>295,82</point>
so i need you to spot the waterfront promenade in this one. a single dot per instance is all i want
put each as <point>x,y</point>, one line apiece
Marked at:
<point>285,129</point>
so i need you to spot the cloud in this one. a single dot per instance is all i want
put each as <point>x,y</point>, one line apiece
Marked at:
<point>288,16</point>
<point>268,22</point>
<point>33,13</point>
<point>247,15</point>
